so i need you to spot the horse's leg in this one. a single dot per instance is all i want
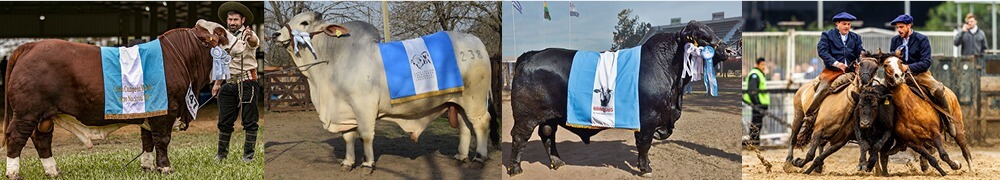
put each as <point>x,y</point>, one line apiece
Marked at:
<point>819,160</point>
<point>161,129</point>
<point>643,141</point>
<point>17,133</point>
<point>520,134</point>
<point>146,159</point>
<point>812,150</point>
<point>547,132</point>
<point>944,154</point>
<point>926,157</point>
<point>42,139</point>
<point>349,138</point>
<point>796,126</point>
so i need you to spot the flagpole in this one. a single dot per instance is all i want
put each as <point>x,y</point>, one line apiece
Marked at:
<point>513,25</point>
<point>571,26</point>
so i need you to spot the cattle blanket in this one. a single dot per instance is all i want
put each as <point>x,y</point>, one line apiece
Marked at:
<point>604,90</point>
<point>421,67</point>
<point>134,83</point>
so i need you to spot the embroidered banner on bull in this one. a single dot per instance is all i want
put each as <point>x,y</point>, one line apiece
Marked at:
<point>604,90</point>
<point>421,67</point>
<point>134,83</point>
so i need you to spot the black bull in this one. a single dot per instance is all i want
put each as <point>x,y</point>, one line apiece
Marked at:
<point>539,92</point>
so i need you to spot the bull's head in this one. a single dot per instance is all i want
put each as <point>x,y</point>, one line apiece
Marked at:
<point>605,95</point>
<point>702,35</point>
<point>869,103</point>
<point>213,34</point>
<point>301,30</point>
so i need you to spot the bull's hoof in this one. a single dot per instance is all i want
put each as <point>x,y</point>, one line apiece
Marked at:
<point>147,169</point>
<point>165,170</point>
<point>14,176</point>
<point>477,163</point>
<point>346,167</point>
<point>514,170</point>
<point>368,167</point>
<point>647,175</point>
<point>556,163</point>
<point>52,174</point>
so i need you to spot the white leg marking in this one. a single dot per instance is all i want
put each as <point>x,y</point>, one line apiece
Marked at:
<point>13,166</point>
<point>146,160</point>
<point>50,166</point>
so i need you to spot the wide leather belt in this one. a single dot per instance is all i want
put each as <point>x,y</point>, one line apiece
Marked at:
<point>247,76</point>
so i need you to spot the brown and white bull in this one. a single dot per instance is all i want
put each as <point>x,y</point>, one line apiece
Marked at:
<point>348,85</point>
<point>59,82</point>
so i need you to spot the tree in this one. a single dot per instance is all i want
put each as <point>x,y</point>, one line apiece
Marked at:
<point>629,31</point>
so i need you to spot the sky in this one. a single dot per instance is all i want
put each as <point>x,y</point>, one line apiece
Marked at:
<point>593,29</point>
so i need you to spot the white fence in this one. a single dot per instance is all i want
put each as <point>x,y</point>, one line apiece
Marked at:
<point>792,53</point>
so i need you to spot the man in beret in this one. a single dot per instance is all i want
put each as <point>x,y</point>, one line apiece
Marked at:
<point>916,51</point>
<point>839,48</point>
<point>237,95</point>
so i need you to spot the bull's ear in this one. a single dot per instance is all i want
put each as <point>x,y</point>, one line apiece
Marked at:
<point>205,36</point>
<point>336,30</point>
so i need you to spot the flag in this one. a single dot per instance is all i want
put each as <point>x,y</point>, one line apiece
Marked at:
<point>572,10</point>
<point>546,6</point>
<point>517,6</point>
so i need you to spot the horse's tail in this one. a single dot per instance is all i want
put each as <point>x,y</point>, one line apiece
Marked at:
<point>8,114</point>
<point>959,125</point>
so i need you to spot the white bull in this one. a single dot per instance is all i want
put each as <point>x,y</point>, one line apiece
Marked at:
<point>349,89</point>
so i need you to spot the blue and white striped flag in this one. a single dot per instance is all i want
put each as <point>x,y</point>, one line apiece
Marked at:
<point>517,6</point>
<point>573,11</point>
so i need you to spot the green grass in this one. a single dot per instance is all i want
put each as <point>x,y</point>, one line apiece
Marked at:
<point>191,156</point>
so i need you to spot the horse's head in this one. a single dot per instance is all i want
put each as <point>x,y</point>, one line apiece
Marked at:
<point>866,69</point>
<point>893,73</point>
<point>308,31</point>
<point>702,35</point>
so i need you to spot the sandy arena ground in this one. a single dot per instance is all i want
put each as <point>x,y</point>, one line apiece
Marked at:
<point>842,164</point>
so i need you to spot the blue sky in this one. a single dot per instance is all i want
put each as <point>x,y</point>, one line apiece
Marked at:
<point>593,29</point>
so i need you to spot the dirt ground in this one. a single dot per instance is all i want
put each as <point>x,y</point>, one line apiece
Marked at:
<point>704,145</point>
<point>298,148</point>
<point>842,165</point>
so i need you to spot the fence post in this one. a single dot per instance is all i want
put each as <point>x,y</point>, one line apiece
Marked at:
<point>790,53</point>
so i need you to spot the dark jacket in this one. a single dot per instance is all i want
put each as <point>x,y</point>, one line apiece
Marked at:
<point>832,50</point>
<point>919,58</point>
<point>971,43</point>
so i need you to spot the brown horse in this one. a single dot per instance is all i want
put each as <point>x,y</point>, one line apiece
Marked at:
<point>54,80</point>
<point>834,121</point>
<point>919,126</point>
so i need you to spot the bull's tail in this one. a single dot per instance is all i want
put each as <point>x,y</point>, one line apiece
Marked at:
<point>494,106</point>
<point>7,112</point>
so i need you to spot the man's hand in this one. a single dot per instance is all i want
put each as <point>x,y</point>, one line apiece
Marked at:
<point>217,87</point>
<point>966,27</point>
<point>905,68</point>
<point>841,66</point>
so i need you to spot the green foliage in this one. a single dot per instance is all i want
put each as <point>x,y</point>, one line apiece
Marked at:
<point>629,31</point>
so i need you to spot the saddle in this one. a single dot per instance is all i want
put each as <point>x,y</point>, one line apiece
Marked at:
<point>839,84</point>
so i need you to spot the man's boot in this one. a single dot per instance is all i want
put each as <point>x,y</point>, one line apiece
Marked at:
<point>938,98</point>
<point>248,146</point>
<point>223,146</point>
<point>822,90</point>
